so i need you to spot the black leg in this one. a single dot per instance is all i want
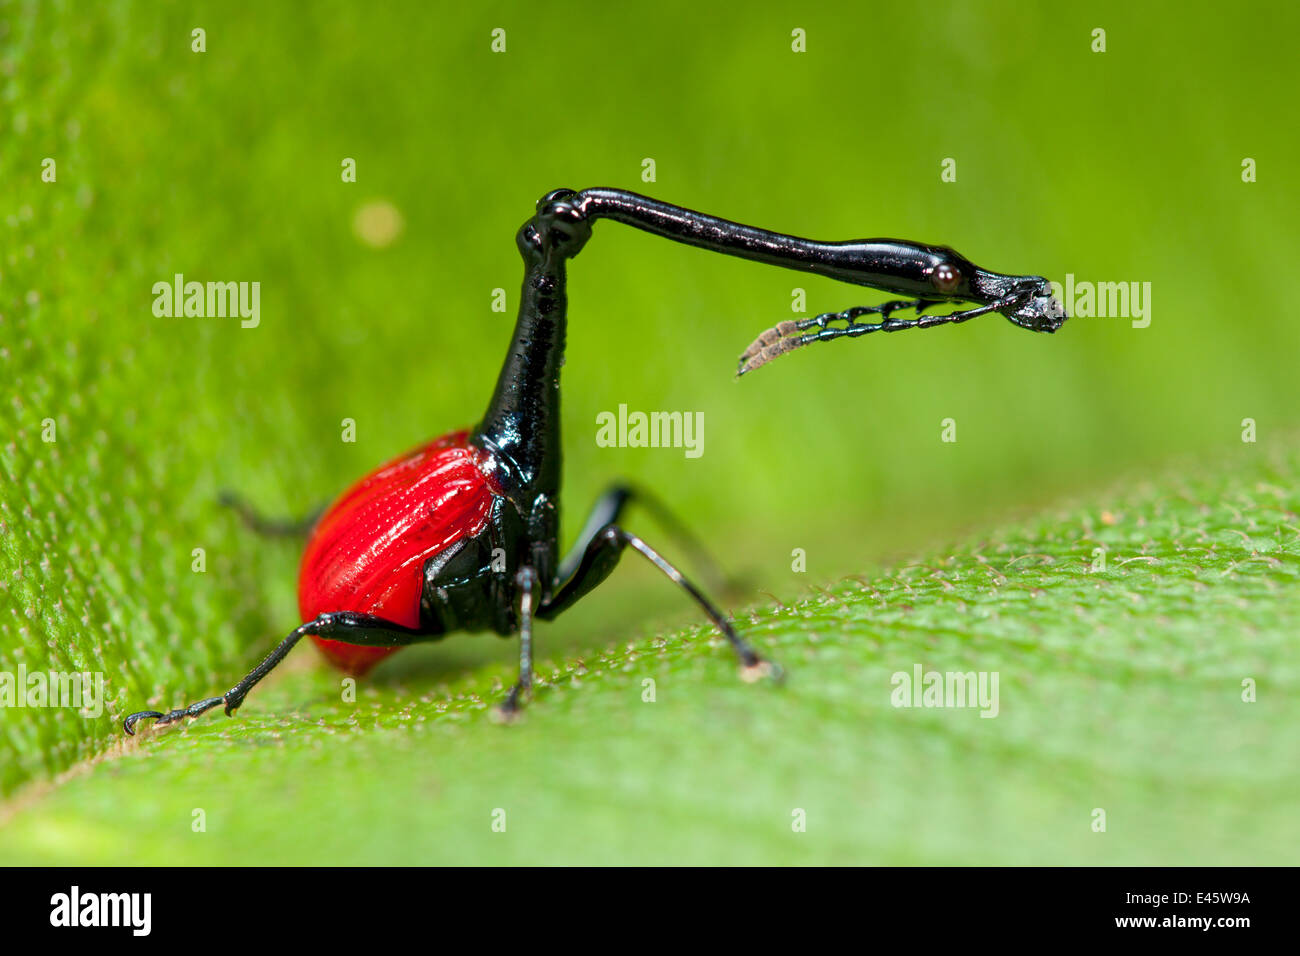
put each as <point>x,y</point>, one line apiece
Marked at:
<point>527,582</point>
<point>269,527</point>
<point>609,508</point>
<point>340,626</point>
<point>601,557</point>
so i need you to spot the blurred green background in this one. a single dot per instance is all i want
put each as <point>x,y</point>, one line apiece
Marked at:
<point>225,165</point>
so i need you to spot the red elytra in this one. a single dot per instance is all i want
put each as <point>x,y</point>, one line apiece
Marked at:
<point>367,552</point>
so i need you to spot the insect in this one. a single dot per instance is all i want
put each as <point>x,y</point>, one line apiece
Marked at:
<point>461,533</point>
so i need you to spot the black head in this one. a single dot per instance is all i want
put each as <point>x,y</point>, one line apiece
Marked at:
<point>1026,301</point>
<point>940,274</point>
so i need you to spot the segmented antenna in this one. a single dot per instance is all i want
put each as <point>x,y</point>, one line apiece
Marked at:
<point>775,342</point>
<point>792,333</point>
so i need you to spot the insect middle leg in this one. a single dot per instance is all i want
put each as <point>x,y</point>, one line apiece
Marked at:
<point>346,626</point>
<point>529,586</point>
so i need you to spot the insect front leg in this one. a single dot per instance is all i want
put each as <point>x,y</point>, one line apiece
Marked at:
<point>343,626</point>
<point>600,559</point>
<point>609,508</point>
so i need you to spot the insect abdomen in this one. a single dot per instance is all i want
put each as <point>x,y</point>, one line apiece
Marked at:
<point>367,553</point>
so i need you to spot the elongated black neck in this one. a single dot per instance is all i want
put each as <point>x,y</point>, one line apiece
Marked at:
<point>700,229</point>
<point>888,264</point>
<point>522,423</point>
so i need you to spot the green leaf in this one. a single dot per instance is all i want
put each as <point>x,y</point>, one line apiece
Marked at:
<point>1119,690</point>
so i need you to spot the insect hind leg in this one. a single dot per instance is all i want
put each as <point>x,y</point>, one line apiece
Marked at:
<point>260,524</point>
<point>346,626</point>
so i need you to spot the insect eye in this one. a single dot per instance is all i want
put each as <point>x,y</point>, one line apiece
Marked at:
<point>945,277</point>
